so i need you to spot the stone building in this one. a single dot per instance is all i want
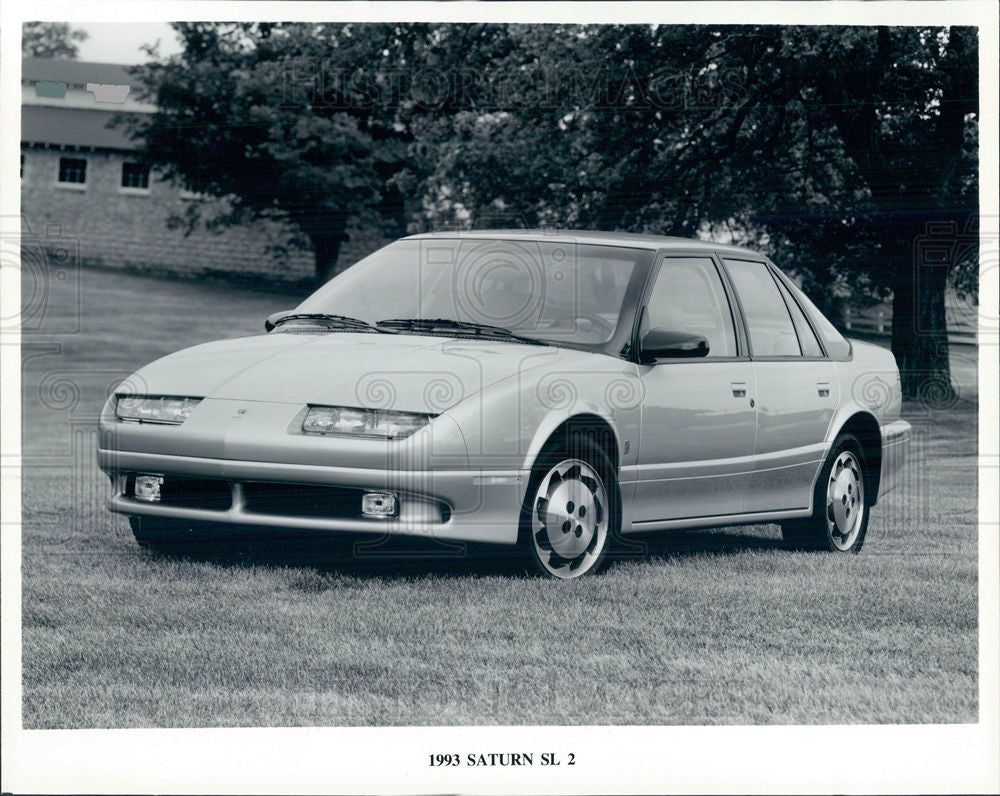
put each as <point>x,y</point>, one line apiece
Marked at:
<point>80,182</point>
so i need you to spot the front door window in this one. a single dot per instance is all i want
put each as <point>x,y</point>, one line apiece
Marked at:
<point>688,297</point>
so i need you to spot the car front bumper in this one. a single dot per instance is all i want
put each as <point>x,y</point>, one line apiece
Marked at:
<point>895,452</point>
<point>459,505</point>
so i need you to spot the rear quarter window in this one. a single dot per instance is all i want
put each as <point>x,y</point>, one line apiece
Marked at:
<point>837,346</point>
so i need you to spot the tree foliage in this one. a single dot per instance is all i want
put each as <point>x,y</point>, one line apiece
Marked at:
<point>260,114</point>
<point>850,154</point>
<point>847,153</point>
<point>50,40</point>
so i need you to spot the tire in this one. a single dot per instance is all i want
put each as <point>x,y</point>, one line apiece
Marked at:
<point>839,520</point>
<point>571,509</point>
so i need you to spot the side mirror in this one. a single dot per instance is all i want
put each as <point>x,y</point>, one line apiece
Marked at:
<point>273,318</point>
<point>662,343</point>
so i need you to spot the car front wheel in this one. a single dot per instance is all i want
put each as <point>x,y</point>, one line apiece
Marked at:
<point>570,511</point>
<point>840,514</point>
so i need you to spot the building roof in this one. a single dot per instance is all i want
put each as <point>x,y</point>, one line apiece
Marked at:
<point>627,239</point>
<point>43,124</point>
<point>75,73</point>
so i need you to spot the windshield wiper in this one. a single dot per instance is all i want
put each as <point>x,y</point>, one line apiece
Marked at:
<point>431,325</point>
<point>330,321</point>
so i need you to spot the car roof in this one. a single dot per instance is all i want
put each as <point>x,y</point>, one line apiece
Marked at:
<point>628,239</point>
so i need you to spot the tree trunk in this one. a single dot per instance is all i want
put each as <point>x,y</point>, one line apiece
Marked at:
<point>326,250</point>
<point>920,334</point>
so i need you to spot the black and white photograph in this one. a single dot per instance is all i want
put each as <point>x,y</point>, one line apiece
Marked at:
<point>500,397</point>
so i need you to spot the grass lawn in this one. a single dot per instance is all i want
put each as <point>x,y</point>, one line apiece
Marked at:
<point>709,627</point>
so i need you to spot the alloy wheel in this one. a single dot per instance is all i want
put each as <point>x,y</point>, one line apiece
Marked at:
<point>569,519</point>
<point>845,501</point>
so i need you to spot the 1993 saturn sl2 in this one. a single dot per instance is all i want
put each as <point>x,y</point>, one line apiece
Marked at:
<point>557,391</point>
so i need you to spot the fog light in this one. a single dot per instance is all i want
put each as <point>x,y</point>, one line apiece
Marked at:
<point>147,488</point>
<point>378,504</point>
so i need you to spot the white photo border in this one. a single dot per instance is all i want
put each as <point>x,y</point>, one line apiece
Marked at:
<point>689,759</point>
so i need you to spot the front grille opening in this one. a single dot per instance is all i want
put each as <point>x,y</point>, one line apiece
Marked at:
<point>192,493</point>
<point>302,500</point>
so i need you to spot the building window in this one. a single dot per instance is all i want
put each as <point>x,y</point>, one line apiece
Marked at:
<point>73,171</point>
<point>135,176</point>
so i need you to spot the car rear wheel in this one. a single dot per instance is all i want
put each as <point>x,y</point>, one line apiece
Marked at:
<point>840,514</point>
<point>570,513</point>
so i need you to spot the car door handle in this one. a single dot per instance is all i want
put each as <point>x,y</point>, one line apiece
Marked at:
<point>739,389</point>
<point>823,388</point>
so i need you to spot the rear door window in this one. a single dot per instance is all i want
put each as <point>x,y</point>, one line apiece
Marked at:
<point>769,325</point>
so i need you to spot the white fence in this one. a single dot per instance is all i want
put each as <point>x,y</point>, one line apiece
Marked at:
<point>961,316</point>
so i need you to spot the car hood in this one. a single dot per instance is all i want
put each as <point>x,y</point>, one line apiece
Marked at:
<point>405,372</point>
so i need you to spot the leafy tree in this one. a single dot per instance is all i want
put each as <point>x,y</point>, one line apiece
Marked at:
<point>845,152</point>
<point>840,151</point>
<point>287,121</point>
<point>50,40</point>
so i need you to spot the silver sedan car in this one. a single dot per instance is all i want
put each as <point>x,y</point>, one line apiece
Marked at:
<point>556,391</point>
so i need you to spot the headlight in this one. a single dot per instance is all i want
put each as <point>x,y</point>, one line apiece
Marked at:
<point>363,422</point>
<point>154,408</point>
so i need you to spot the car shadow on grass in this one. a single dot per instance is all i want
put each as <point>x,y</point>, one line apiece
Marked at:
<point>689,542</point>
<point>360,556</point>
<point>407,557</point>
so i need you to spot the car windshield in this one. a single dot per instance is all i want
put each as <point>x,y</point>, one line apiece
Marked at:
<point>560,293</point>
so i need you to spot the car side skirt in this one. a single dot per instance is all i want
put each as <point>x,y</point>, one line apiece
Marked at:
<point>719,520</point>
